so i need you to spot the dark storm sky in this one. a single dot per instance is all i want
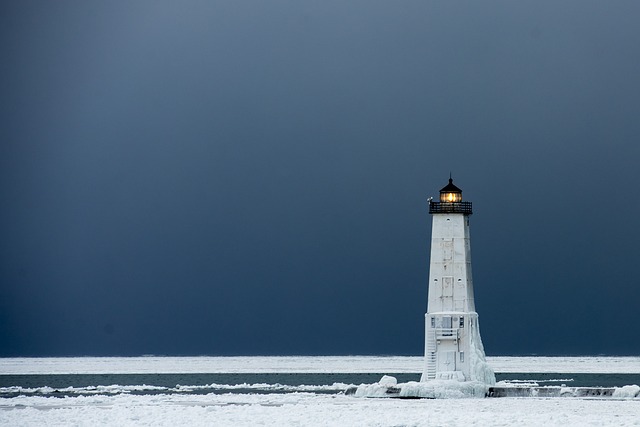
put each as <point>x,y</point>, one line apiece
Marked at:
<point>248,177</point>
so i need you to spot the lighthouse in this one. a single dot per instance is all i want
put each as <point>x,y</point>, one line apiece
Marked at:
<point>453,348</point>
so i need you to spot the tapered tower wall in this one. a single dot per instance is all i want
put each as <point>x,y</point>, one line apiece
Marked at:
<point>450,280</point>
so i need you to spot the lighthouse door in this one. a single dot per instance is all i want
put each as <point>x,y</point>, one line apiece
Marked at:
<point>447,361</point>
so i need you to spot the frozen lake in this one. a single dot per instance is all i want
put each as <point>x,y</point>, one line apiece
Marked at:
<point>307,409</point>
<point>95,394</point>
<point>301,364</point>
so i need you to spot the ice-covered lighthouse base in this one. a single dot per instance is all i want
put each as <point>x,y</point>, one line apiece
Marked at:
<point>448,385</point>
<point>440,343</point>
<point>434,389</point>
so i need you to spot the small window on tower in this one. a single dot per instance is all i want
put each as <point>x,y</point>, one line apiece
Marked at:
<point>461,356</point>
<point>433,322</point>
<point>446,324</point>
<point>461,322</point>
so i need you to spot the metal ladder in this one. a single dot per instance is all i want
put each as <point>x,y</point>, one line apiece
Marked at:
<point>431,355</point>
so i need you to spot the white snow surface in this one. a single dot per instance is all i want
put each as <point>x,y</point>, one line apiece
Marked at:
<point>303,364</point>
<point>117,405</point>
<point>306,409</point>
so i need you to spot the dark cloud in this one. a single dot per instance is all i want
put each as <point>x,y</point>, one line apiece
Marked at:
<point>250,177</point>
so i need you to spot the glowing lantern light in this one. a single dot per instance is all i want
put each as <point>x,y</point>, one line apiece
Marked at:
<point>450,193</point>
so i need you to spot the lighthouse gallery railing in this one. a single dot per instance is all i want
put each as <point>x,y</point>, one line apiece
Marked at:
<point>450,207</point>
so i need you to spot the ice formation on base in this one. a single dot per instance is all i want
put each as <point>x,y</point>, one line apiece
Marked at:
<point>480,369</point>
<point>451,389</point>
<point>627,391</point>
<point>482,377</point>
<point>433,389</point>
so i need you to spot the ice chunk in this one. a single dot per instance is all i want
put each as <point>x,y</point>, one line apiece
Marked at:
<point>434,389</point>
<point>627,391</point>
<point>388,380</point>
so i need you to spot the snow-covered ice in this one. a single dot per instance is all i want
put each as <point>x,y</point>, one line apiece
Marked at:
<point>566,364</point>
<point>303,364</point>
<point>306,409</point>
<point>246,405</point>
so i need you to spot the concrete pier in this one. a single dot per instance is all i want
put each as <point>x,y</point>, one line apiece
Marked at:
<point>553,391</point>
<point>526,391</point>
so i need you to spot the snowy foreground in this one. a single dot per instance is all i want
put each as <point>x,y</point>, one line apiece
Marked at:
<point>305,409</point>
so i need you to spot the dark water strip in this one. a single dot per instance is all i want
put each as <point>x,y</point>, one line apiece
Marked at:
<point>61,385</point>
<point>572,380</point>
<point>171,380</point>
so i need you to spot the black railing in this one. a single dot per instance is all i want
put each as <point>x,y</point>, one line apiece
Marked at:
<point>450,207</point>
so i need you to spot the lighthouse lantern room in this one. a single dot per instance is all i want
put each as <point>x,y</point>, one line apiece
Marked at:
<point>450,193</point>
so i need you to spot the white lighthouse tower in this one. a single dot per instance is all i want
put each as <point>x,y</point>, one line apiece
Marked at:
<point>453,348</point>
